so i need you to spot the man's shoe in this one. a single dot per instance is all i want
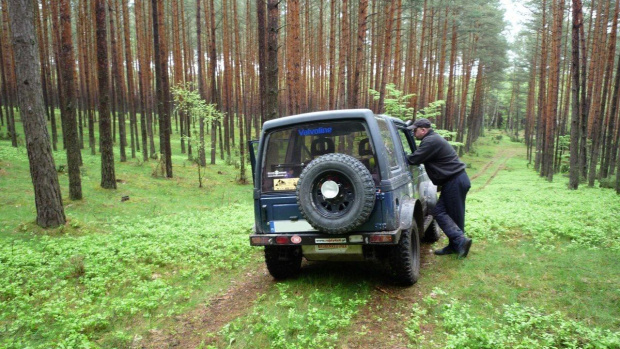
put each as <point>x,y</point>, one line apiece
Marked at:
<point>463,248</point>
<point>446,250</point>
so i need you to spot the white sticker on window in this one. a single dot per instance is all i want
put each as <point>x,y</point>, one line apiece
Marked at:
<point>285,183</point>
<point>276,173</point>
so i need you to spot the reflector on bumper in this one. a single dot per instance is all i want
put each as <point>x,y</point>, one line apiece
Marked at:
<point>381,238</point>
<point>259,240</point>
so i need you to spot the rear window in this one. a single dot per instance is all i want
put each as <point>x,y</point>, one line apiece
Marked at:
<point>289,150</point>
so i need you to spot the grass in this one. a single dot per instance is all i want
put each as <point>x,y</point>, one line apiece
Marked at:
<point>542,271</point>
<point>118,267</point>
<point>299,314</point>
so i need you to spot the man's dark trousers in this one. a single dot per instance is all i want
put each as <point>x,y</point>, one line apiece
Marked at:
<point>450,209</point>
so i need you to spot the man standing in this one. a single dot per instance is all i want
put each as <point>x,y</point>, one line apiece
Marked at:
<point>448,172</point>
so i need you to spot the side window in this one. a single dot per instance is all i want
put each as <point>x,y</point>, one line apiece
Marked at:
<point>408,146</point>
<point>386,136</point>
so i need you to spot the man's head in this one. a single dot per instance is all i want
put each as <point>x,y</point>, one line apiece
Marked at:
<point>420,128</point>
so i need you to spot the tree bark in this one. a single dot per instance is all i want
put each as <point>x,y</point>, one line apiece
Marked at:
<point>362,17</point>
<point>47,195</point>
<point>597,68</point>
<point>293,59</point>
<point>161,71</point>
<point>386,55</point>
<point>272,59</point>
<point>142,78</point>
<point>8,66</point>
<point>201,84</point>
<point>118,80</point>
<point>262,57</point>
<point>69,125</point>
<point>131,95</point>
<point>331,98</point>
<point>608,123</point>
<point>553,89</point>
<point>108,177</point>
<point>575,88</point>
<point>343,56</point>
<point>212,77</point>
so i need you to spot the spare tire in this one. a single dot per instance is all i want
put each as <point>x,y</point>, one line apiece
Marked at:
<point>335,193</point>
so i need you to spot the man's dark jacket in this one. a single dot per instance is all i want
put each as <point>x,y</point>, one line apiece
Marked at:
<point>439,158</point>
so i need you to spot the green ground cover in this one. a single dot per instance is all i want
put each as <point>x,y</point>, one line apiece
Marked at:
<point>543,271</point>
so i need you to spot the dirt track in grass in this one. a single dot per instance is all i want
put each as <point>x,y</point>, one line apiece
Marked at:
<point>200,326</point>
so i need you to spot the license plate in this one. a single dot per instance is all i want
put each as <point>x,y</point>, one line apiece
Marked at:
<point>331,248</point>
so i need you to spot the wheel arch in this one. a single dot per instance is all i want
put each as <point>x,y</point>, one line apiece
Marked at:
<point>412,214</point>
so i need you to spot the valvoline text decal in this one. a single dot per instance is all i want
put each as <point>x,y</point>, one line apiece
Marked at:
<point>315,131</point>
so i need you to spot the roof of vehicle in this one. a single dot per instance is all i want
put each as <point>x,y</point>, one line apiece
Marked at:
<point>366,114</point>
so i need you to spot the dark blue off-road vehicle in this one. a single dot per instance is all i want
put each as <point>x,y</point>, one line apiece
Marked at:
<point>336,185</point>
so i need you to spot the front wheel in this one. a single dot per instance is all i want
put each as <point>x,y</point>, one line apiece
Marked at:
<point>283,261</point>
<point>405,258</point>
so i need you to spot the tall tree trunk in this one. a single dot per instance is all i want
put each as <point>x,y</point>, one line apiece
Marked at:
<point>108,178</point>
<point>343,55</point>
<point>86,70</point>
<point>442,64</point>
<point>553,89</point>
<point>142,78</point>
<point>262,56</point>
<point>119,83</point>
<point>201,85</point>
<point>530,122</point>
<point>332,57</point>
<point>161,72</point>
<point>608,124</point>
<point>272,58</point>
<point>131,96</point>
<point>293,60</point>
<point>212,77</point>
<point>69,125</point>
<point>597,66</point>
<point>542,83</point>
<point>613,114</point>
<point>239,83</point>
<point>362,17</point>
<point>584,103</point>
<point>9,64</point>
<point>575,89</point>
<point>451,96</point>
<point>227,83</point>
<point>386,55</point>
<point>475,118</point>
<point>47,195</point>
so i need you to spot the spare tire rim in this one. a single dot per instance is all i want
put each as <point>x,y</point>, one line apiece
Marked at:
<point>333,194</point>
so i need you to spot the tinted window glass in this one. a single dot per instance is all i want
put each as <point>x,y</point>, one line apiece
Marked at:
<point>386,136</point>
<point>289,150</point>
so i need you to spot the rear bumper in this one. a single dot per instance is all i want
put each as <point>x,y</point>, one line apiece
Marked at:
<point>306,239</point>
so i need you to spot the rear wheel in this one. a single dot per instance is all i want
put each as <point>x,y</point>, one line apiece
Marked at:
<point>405,258</point>
<point>283,261</point>
<point>432,233</point>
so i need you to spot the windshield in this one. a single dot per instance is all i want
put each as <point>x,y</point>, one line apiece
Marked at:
<point>289,150</point>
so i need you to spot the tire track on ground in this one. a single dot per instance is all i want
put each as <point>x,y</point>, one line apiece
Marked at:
<point>486,166</point>
<point>381,323</point>
<point>196,328</point>
<point>500,167</point>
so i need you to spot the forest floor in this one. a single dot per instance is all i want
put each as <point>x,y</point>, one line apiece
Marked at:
<point>172,267</point>
<point>388,303</point>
